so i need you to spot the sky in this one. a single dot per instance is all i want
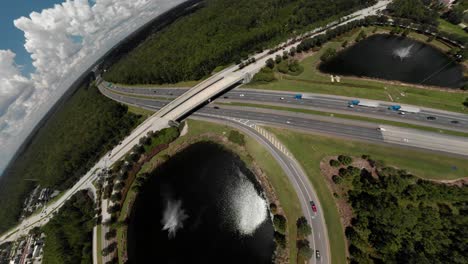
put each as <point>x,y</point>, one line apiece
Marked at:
<point>46,45</point>
<point>14,38</point>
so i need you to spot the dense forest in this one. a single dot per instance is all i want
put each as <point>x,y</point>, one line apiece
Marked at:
<point>399,218</point>
<point>416,10</point>
<point>68,144</point>
<point>221,32</point>
<point>69,234</point>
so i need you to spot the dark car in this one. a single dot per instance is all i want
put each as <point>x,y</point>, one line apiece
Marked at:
<point>431,118</point>
<point>312,205</point>
<point>317,254</point>
<point>226,97</point>
<point>454,122</point>
<point>216,107</point>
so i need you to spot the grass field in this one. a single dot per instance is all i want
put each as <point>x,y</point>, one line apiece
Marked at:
<point>450,28</point>
<point>309,150</point>
<point>199,130</point>
<point>311,80</point>
<point>99,244</point>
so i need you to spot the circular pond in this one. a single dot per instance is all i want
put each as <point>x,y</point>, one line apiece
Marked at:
<point>201,206</point>
<point>397,58</point>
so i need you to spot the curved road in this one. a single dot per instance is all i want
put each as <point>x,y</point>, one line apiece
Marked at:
<point>297,177</point>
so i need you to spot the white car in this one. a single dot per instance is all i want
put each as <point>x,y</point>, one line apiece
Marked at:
<point>381,129</point>
<point>288,122</point>
<point>282,98</point>
<point>402,113</point>
<point>241,95</point>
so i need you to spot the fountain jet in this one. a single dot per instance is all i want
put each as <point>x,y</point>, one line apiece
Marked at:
<point>403,53</point>
<point>173,217</point>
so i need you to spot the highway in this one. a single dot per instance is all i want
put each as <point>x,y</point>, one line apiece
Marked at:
<point>190,101</point>
<point>344,128</point>
<point>320,102</point>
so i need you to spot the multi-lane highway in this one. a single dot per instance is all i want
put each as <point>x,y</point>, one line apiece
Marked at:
<point>326,125</point>
<point>321,102</point>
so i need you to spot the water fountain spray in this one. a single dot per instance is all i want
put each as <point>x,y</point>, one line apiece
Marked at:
<point>403,53</point>
<point>173,217</point>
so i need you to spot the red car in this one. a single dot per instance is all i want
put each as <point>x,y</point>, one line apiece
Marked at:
<point>314,208</point>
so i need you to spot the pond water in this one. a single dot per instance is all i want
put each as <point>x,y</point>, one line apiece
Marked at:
<point>201,206</point>
<point>397,58</point>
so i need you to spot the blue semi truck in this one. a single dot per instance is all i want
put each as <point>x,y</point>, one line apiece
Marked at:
<point>298,96</point>
<point>394,107</point>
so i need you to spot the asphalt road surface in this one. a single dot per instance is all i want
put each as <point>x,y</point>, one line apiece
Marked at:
<point>338,127</point>
<point>320,102</point>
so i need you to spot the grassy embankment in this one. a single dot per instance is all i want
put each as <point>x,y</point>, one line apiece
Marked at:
<point>309,150</point>
<point>253,151</point>
<point>99,243</point>
<point>312,80</point>
<point>448,27</point>
<point>352,117</point>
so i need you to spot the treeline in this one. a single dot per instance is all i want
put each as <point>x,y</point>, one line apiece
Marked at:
<point>65,148</point>
<point>220,33</point>
<point>69,233</point>
<point>415,10</point>
<point>399,218</point>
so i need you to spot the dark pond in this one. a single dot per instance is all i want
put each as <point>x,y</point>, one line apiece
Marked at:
<point>397,58</point>
<point>201,206</point>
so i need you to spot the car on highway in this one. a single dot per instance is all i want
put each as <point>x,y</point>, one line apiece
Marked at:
<point>241,95</point>
<point>317,254</point>
<point>381,129</point>
<point>431,118</point>
<point>454,122</point>
<point>226,97</point>
<point>312,205</point>
<point>216,107</point>
<point>351,106</point>
<point>282,98</point>
<point>288,122</point>
<point>402,113</point>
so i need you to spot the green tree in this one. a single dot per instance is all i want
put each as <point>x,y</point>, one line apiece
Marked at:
<point>304,250</point>
<point>334,163</point>
<point>280,223</point>
<point>328,54</point>
<point>270,63</point>
<point>303,227</point>
<point>280,239</point>
<point>345,160</point>
<point>337,179</point>
<point>278,59</point>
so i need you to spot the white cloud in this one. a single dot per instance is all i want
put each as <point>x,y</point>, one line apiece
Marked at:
<point>59,59</point>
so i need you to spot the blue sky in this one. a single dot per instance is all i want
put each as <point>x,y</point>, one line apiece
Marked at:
<point>13,38</point>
